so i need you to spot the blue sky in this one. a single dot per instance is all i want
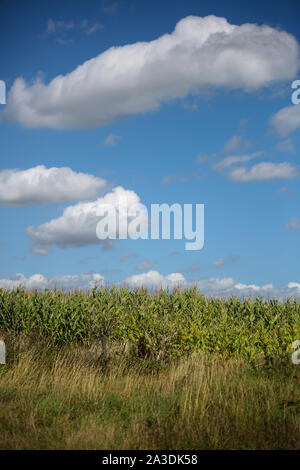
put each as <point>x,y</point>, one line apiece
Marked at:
<point>166,114</point>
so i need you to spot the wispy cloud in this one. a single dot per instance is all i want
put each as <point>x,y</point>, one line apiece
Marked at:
<point>59,27</point>
<point>232,144</point>
<point>194,268</point>
<point>223,261</point>
<point>236,143</point>
<point>128,256</point>
<point>112,140</point>
<point>174,253</point>
<point>170,179</point>
<point>94,28</point>
<point>285,146</point>
<point>202,158</point>
<point>264,171</point>
<point>109,8</point>
<point>294,224</point>
<point>232,160</point>
<point>286,190</point>
<point>144,265</point>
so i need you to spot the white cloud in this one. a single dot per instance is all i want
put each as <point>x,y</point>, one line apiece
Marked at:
<point>127,256</point>
<point>77,225</point>
<point>111,140</point>
<point>154,279</point>
<point>58,26</point>
<point>136,78</point>
<point>43,185</point>
<point>264,171</point>
<point>191,106</point>
<point>286,120</point>
<point>232,160</point>
<point>93,29</point>
<point>143,265</point>
<point>294,285</point>
<point>201,158</point>
<point>216,287</point>
<point>232,144</point>
<point>294,223</point>
<point>68,281</point>
<point>226,286</point>
<point>170,179</point>
<point>219,263</point>
<point>174,253</point>
<point>223,261</point>
<point>109,8</point>
<point>194,268</point>
<point>285,146</point>
<point>53,25</point>
<point>254,287</point>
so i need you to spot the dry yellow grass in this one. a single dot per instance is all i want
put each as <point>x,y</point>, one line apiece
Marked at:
<point>70,399</point>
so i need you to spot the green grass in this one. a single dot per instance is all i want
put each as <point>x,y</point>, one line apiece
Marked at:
<point>135,369</point>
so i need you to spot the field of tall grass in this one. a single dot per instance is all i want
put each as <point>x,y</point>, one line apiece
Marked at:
<point>135,369</point>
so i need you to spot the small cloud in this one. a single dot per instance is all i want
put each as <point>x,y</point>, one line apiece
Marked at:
<point>219,263</point>
<point>128,256</point>
<point>285,146</point>
<point>173,253</point>
<point>53,27</point>
<point>20,258</point>
<point>144,265</point>
<point>242,124</point>
<point>222,261</point>
<point>63,42</point>
<point>286,190</point>
<point>39,185</point>
<point>111,271</point>
<point>194,268</point>
<point>108,246</point>
<point>109,8</point>
<point>232,160</point>
<point>170,179</point>
<point>286,120</point>
<point>93,29</point>
<point>294,224</point>
<point>87,259</point>
<point>264,171</point>
<point>236,144</point>
<point>191,106</point>
<point>111,140</point>
<point>154,279</point>
<point>189,177</point>
<point>201,158</point>
<point>232,144</point>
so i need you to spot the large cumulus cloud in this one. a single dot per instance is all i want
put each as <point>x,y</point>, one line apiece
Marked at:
<point>139,77</point>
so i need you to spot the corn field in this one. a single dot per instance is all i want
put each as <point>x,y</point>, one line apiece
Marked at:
<point>159,325</point>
